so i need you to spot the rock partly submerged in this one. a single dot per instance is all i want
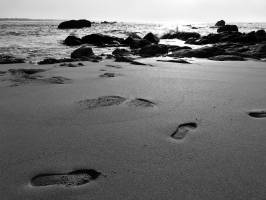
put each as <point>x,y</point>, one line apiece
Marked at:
<point>153,50</point>
<point>72,41</point>
<point>227,28</point>
<point>204,52</point>
<point>128,60</point>
<point>152,38</point>
<point>181,35</point>
<point>85,53</point>
<point>102,40</point>
<point>74,24</point>
<point>121,52</point>
<point>220,23</point>
<point>49,61</point>
<point>227,58</point>
<point>236,37</point>
<point>10,59</point>
<point>135,42</point>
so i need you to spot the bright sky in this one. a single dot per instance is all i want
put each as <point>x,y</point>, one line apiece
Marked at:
<point>138,10</point>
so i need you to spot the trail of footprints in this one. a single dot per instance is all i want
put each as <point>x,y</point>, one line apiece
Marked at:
<point>85,176</point>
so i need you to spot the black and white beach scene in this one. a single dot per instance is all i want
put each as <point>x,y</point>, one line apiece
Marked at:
<point>132,100</point>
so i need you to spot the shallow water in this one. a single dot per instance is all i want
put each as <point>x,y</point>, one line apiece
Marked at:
<point>35,40</point>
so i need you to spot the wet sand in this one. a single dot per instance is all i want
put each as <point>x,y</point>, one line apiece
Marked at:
<point>120,131</point>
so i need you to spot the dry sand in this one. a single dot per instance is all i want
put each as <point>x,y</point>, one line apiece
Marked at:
<point>124,132</point>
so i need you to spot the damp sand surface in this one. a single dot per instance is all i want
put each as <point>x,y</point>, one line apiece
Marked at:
<point>171,131</point>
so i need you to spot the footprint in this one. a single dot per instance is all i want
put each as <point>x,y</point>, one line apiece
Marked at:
<point>108,75</point>
<point>75,178</point>
<point>57,80</point>
<point>258,114</point>
<point>103,101</point>
<point>114,66</point>
<point>24,72</point>
<point>2,73</point>
<point>183,129</point>
<point>139,102</point>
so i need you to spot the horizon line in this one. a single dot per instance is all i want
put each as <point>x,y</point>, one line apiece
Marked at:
<point>118,21</point>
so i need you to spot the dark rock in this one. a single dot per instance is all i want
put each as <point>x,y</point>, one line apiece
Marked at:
<point>131,38</point>
<point>101,40</point>
<point>48,61</point>
<point>72,41</point>
<point>228,28</point>
<point>75,24</point>
<point>153,50</point>
<point>232,37</point>
<point>261,35</point>
<point>227,58</point>
<point>106,22</point>
<point>128,60</point>
<point>136,43</point>
<point>121,52</point>
<point>236,49</point>
<point>25,71</point>
<point>109,56</point>
<point>255,51</point>
<point>172,48</point>
<point>9,59</point>
<point>134,35</point>
<point>259,50</point>
<point>247,38</point>
<point>181,35</point>
<point>182,61</point>
<point>152,38</point>
<point>209,39</point>
<point>82,53</point>
<point>220,23</point>
<point>204,52</point>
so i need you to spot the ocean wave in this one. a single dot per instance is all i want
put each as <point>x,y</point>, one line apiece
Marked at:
<point>36,40</point>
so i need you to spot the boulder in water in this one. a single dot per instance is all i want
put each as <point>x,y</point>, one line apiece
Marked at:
<point>82,53</point>
<point>181,35</point>
<point>152,38</point>
<point>204,52</point>
<point>10,59</point>
<point>261,35</point>
<point>101,40</point>
<point>72,41</point>
<point>153,50</point>
<point>49,61</point>
<point>121,52</point>
<point>228,28</point>
<point>220,23</point>
<point>227,58</point>
<point>74,24</point>
<point>136,43</point>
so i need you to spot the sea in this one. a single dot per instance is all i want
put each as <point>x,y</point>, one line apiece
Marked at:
<point>35,40</point>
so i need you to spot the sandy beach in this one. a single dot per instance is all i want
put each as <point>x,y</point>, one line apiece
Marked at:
<point>166,131</point>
